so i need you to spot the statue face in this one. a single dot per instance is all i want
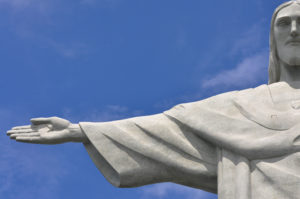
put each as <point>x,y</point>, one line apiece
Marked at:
<point>287,34</point>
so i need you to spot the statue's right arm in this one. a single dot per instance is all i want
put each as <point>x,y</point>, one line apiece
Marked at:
<point>180,142</point>
<point>150,149</point>
<point>239,136</point>
<point>134,151</point>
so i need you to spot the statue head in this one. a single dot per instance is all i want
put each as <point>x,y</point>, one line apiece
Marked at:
<point>284,44</point>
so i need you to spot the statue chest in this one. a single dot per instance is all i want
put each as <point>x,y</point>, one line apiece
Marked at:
<point>276,178</point>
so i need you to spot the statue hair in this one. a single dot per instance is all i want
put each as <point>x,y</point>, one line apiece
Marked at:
<point>274,63</point>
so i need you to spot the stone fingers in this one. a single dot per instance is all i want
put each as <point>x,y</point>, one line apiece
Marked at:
<point>15,136</point>
<point>19,131</point>
<point>34,140</point>
<point>21,127</point>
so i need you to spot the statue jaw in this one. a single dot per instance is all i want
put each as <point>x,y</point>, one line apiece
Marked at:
<point>290,56</point>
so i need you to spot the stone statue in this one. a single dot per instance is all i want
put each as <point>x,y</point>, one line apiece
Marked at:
<point>241,144</point>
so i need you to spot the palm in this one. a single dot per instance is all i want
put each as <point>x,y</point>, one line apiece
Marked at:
<point>52,137</point>
<point>51,130</point>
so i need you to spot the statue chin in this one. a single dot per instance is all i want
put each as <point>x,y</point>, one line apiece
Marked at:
<point>290,55</point>
<point>293,61</point>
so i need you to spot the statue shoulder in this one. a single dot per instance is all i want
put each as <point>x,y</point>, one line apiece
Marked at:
<point>220,102</point>
<point>229,103</point>
<point>220,98</point>
<point>226,99</point>
<point>263,105</point>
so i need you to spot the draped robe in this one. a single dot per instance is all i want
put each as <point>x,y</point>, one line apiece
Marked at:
<point>206,145</point>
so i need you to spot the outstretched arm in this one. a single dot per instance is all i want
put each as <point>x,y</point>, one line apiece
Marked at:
<point>56,130</point>
<point>135,151</point>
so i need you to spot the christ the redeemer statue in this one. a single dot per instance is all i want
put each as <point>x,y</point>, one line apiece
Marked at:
<point>240,145</point>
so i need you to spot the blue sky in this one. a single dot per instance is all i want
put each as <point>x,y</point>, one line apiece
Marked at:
<point>100,60</point>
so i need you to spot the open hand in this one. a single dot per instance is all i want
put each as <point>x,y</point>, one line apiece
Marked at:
<point>52,130</point>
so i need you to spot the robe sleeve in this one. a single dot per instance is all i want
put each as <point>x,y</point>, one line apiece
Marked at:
<point>181,144</point>
<point>151,149</point>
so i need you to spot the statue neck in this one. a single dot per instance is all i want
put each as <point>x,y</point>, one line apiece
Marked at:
<point>290,74</point>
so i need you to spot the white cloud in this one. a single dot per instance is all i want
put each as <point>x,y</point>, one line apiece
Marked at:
<point>248,72</point>
<point>27,14</point>
<point>248,41</point>
<point>239,44</point>
<point>252,70</point>
<point>165,189</point>
<point>243,45</point>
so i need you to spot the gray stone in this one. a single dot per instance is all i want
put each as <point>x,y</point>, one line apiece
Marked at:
<point>241,145</point>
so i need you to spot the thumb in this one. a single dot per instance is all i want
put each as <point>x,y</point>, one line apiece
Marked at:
<point>59,123</point>
<point>40,120</point>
